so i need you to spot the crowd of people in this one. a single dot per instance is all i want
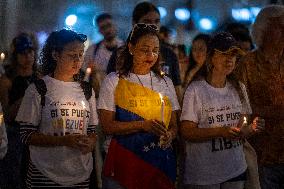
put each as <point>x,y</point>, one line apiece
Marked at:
<point>123,116</point>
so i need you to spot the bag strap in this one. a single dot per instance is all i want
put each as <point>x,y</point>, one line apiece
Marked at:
<point>87,89</point>
<point>41,89</point>
<point>97,48</point>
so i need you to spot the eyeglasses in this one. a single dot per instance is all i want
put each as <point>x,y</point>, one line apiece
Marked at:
<point>147,52</point>
<point>150,27</point>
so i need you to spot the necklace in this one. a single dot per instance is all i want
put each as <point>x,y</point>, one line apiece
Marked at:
<point>142,83</point>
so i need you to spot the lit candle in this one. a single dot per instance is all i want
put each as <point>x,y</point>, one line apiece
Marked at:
<point>1,119</point>
<point>1,125</point>
<point>245,121</point>
<point>2,57</point>
<point>84,117</point>
<point>162,107</point>
<point>245,129</point>
<point>87,74</point>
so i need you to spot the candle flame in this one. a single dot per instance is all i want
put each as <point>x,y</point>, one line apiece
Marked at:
<point>245,120</point>
<point>2,56</point>
<point>88,70</point>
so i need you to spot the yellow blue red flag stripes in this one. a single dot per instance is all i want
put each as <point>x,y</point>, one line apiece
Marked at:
<point>136,160</point>
<point>142,101</point>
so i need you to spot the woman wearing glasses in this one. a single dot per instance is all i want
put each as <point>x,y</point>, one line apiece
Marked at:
<point>148,13</point>
<point>58,117</point>
<point>137,111</point>
<point>212,123</point>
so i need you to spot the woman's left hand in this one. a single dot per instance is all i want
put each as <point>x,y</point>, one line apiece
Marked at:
<point>166,140</point>
<point>258,124</point>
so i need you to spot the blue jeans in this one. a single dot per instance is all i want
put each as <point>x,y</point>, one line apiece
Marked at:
<point>272,177</point>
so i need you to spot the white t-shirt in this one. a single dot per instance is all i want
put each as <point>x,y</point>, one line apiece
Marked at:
<point>217,160</point>
<point>101,58</point>
<point>63,113</point>
<point>3,135</point>
<point>106,97</point>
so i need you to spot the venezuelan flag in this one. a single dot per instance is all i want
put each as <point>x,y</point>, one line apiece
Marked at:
<point>136,160</point>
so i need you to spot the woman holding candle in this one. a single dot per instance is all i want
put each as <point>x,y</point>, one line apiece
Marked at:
<point>19,73</point>
<point>212,122</point>
<point>131,111</point>
<point>52,124</point>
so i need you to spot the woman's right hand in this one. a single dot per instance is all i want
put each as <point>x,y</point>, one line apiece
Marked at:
<point>78,142</point>
<point>230,132</point>
<point>155,127</point>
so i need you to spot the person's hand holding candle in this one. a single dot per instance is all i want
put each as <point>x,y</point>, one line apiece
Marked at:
<point>257,125</point>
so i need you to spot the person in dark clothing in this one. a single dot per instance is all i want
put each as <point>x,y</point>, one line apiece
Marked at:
<point>146,12</point>
<point>197,58</point>
<point>19,74</point>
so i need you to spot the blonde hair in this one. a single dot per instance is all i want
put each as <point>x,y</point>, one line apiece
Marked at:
<point>262,21</point>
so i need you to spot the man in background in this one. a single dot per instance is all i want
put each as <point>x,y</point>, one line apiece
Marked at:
<point>97,55</point>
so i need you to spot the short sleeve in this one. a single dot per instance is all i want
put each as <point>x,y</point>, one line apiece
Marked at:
<point>173,95</point>
<point>106,97</point>
<point>93,110</point>
<point>30,110</point>
<point>191,105</point>
<point>88,58</point>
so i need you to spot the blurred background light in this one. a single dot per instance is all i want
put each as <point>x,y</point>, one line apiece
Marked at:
<point>255,10</point>
<point>71,20</point>
<point>206,24</point>
<point>245,14</point>
<point>163,11</point>
<point>41,36</point>
<point>242,14</point>
<point>182,14</point>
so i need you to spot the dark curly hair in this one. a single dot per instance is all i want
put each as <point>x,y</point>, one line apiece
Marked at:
<point>56,41</point>
<point>125,59</point>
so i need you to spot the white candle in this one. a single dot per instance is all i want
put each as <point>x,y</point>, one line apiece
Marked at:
<point>84,117</point>
<point>1,119</point>
<point>87,74</point>
<point>245,121</point>
<point>162,107</point>
<point>2,57</point>
<point>1,125</point>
